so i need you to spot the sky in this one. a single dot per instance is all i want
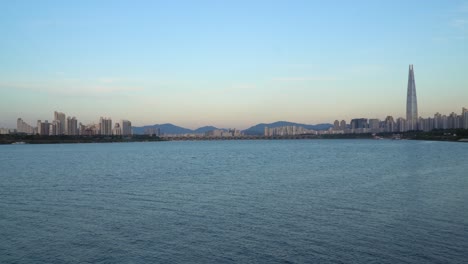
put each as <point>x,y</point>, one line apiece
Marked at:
<point>230,64</point>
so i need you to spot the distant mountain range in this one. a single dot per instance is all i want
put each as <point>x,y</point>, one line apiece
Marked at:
<point>254,130</point>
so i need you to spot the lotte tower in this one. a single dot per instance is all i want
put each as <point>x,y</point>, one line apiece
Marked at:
<point>411,102</point>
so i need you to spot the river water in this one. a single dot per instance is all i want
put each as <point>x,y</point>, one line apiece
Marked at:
<point>282,201</point>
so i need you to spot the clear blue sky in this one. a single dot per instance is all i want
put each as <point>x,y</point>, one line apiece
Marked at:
<point>230,63</point>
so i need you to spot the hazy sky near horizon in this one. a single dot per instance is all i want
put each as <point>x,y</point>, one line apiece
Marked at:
<point>230,63</point>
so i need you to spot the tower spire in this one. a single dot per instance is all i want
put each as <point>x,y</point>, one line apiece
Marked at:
<point>411,102</point>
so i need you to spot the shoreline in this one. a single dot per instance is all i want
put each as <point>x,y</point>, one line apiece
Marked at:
<point>437,135</point>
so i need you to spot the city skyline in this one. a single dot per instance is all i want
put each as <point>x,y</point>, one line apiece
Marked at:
<point>356,125</point>
<point>230,64</point>
<point>61,126</point>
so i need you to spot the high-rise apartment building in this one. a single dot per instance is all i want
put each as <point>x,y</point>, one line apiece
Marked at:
<point>43,128</point>
<point>105,126</point>
<point>465,117</point>
<point>153,131</point>
<point>23,127</point>
<point>444,119</point>
<point>53,128</point>
<point>343,125</point>
<point>374,125</point>
<point>72,126</point>
<point>60,117</point>
<point>411,102</point>
<point>126,127</point>
<point>389,124</point>
<point>426,124</point>
<point>401,125</point>
<point>452,121</point>
<point>117,130</point>
<point>336,125</point>
<point>437,121</point>
<point>359,123</point>
<point>282,131</point>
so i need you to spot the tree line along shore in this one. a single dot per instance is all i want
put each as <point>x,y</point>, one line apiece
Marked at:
<point>460,135</point>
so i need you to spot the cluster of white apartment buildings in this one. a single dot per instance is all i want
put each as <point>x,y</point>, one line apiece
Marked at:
<point>287,131</point>
<point>63,125</point>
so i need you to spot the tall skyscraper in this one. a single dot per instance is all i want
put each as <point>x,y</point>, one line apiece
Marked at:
<point>411,102</point>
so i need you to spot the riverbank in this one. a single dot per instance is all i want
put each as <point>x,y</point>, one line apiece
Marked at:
<point>458,135</point>
<point>37,139</point>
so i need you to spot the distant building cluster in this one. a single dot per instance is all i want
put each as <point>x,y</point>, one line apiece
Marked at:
<point>439,121</point>
<point>152,131</point>
<point>223,133</point>
<point>287,131</point>
<point>4,131</point>
<point>412,121</point>
<point>63,125</point>
<point>215,133</point>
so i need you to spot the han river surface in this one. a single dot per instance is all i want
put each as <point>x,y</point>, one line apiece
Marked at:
<point>291,201</point>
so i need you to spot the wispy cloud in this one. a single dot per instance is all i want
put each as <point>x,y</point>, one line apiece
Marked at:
<point>63,89</point>
<point>304,79</point>
<point>459,23</point>
<point>111,90</point>
<point>109,80</point>
<point>242,87</point>
<point>459,20</point>
<point>300,65</point>
<point>463,8</point>
<point>365,68</point>
<point>228,90</point>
